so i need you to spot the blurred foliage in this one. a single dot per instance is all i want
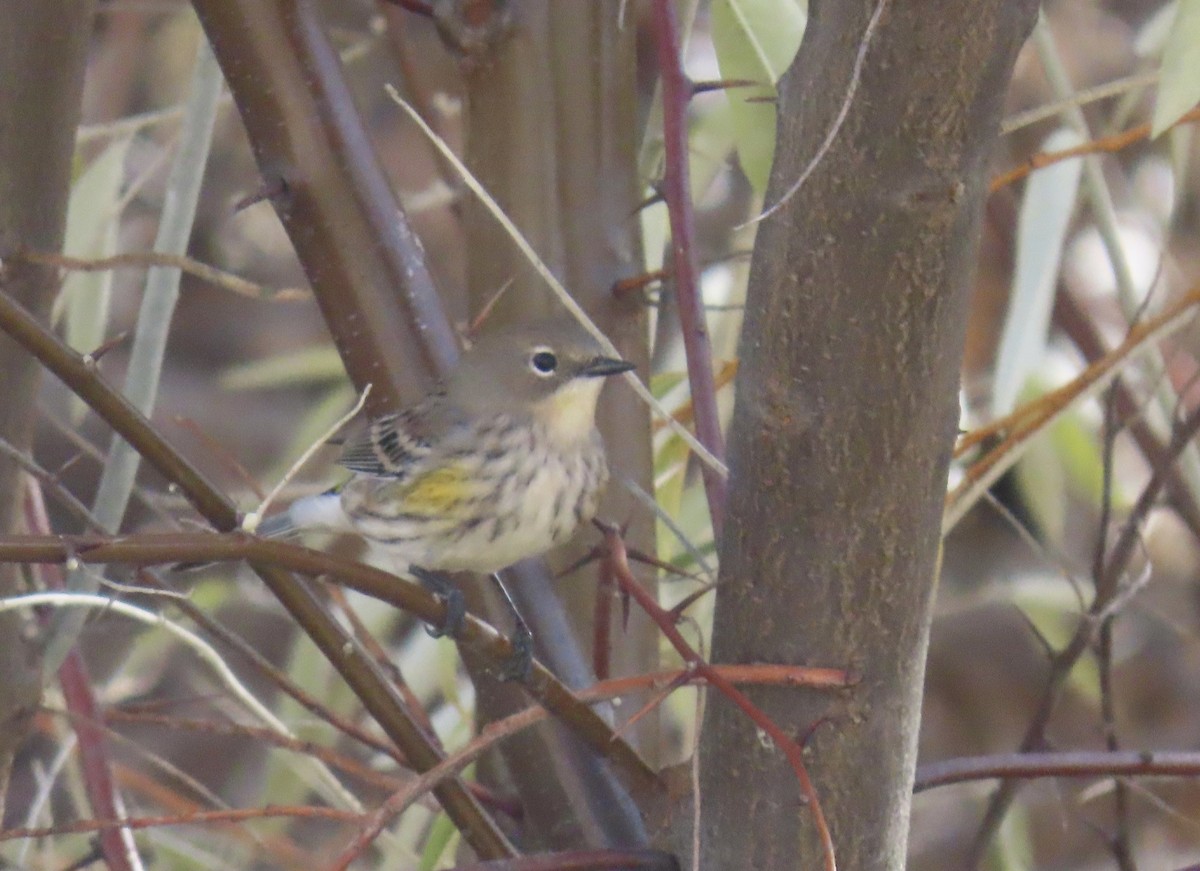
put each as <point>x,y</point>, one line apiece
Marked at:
<point>263,381</point>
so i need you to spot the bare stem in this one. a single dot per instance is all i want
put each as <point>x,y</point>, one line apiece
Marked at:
<point>677,92</point>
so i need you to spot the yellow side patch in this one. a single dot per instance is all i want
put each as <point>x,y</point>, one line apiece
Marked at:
<point>436,493</point>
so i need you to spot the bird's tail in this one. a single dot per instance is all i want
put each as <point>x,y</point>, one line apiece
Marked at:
<point>278,525</point>
<point>323,510</point>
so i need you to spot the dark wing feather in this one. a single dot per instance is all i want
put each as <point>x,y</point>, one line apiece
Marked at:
<point>391,445</point>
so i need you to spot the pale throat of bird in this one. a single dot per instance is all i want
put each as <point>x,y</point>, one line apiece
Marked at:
<point>569,413</point>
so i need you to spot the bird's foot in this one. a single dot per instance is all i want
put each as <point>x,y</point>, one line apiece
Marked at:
<point>451,596</point>
<point>519,666</point>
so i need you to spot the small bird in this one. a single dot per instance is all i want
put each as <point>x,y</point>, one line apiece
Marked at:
<point>501,462</point>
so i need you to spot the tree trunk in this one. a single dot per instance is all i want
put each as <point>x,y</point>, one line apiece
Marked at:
<point>845,417</point>
<point>43,49</point>
<point>551,133</point>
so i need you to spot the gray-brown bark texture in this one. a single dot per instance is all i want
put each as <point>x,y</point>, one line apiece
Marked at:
<point>551,133</point>
<point>845,417</point>
<point>43,47</point>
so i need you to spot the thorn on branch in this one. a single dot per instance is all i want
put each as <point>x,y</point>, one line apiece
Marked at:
<point>94,357</point>
<point>722,85</point>
<point>623,287</point>
<point>271,189</point>
<point>417,7</point>
<point>656,197</point>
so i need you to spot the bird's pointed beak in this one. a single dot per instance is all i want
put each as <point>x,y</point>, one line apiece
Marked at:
<point>601,367</point>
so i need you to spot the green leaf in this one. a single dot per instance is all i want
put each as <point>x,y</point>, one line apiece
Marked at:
<point>1042,227</point>
<point>756,40</point>
<point>307,366</point>
<point>664,382</point>
<point>93,216</point>
<point>440,835</point>
<point>1179,87</point>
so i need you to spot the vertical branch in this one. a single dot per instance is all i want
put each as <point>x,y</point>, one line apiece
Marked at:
<point>676,94</point>
<point>43,50</point>
<point>1121,844</point>
<point>551,118</point>
<point>846,411</point>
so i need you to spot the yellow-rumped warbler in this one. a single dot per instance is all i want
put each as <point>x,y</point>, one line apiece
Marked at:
<point>500,463</point>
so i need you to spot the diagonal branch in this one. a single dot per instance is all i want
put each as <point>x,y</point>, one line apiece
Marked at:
<point>363,260</point>
<point>360,672</point>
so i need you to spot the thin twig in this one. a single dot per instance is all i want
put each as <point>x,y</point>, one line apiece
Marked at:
<point>252,519</point>
<point>1103,145</point>
<point>839,119</point>
<point>1122,848</point>
<point>1108,589</point>
<point>162,260</point>
<point>1020,120</point>
<point>555,285</point>
<point>1019,428</point>
<point>1079,763</point>
<point>666,624</point>
<point>191,819</point>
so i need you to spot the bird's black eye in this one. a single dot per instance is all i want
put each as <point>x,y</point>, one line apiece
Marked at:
<point>544,362</point>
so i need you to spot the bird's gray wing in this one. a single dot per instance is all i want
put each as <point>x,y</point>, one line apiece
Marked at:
<point>392,445</point>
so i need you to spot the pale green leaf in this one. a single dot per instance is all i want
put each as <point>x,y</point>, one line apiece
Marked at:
<point>664,382</point>
<point>1179,87</point>
<point>93,216</point>
<point>308,366</point>
<point>1041,231</point>
<point>756,40</point>
<point>1152,35</point>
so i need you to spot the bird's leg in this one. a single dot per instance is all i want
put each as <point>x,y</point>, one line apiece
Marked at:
<point>519,666</point>
<point>443,588</point>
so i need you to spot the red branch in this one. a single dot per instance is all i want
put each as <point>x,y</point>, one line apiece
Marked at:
<point>495,732</point>
<point>1083,763</point>
<point>76,686</point>
<point>677,91</point>
<point>619,561</point>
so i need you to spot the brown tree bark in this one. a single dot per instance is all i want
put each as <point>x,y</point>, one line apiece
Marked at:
<point>43,50</point>
<point>552,134</point>
<point>845,417</point>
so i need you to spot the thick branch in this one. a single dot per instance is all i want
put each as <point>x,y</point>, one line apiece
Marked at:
<point>846,412</point>
<point>363,260</point>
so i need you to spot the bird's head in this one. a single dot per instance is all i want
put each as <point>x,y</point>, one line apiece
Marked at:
<point>552,370</point>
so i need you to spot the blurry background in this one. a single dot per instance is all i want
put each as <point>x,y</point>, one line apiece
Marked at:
<point>249,383</point>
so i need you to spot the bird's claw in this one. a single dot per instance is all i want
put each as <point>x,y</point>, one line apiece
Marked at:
<point>452,597</point>
<point>456,614</point>
<point>519,666</point>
